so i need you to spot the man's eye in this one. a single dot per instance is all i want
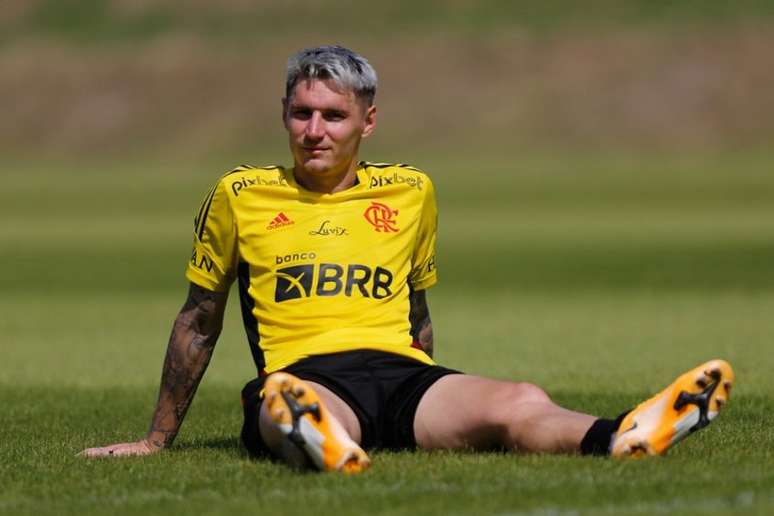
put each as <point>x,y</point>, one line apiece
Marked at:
<point>301,113</point>
<point>335,116</point>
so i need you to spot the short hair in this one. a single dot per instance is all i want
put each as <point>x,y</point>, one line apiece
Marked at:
<point>347,69</point>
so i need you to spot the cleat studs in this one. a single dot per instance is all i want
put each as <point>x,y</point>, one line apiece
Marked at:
<point>702,383</point>
<point>298,391</point>
<point>638,449</point>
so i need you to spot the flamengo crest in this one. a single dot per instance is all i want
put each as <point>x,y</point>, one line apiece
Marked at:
<point>381,217</point>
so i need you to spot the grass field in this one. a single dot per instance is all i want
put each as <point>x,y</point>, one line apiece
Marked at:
<point>97,22</point>
<point>599,278</point>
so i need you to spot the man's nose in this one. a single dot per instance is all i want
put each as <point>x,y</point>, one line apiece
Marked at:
<point>315,129</point>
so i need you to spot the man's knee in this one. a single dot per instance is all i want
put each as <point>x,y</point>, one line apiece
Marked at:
<point>517,402</point>
<point>522,393</point>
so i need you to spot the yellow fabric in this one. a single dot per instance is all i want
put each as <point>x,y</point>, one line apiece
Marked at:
<point>326,272</point>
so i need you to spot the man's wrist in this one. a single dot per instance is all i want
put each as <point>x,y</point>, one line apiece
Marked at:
<point>156,441</point>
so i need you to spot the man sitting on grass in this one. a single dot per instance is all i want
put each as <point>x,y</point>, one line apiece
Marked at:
<point>332,258</point>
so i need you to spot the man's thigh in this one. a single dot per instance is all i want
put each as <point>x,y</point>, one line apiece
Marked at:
<point>466,411</point>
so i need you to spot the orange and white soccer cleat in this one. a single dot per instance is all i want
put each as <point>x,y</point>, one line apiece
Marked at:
<point>301,416</point>
<point>689,404</point>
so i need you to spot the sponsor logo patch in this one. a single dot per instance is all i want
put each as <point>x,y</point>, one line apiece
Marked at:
<point>331,279</point>
<point>396,179</point>
<point>328,229</point>
<point>281,220</point>
<point>201,261</point>
<point>294,257</point>
<point>294,282</point>
<point>381,217</point>
<point>431,264</point>
<point>247,182</point>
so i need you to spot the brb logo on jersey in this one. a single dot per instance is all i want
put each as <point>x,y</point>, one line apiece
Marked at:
<point>331,279</point>
<point>381,217</point>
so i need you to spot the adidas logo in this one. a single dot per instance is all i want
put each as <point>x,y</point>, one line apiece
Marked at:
<point>279,221</point>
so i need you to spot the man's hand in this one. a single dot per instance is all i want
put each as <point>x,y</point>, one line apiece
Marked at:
<point>193,338</point>
<point>141,447</point>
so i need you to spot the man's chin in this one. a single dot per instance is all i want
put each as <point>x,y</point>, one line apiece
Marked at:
<point>316,167</point>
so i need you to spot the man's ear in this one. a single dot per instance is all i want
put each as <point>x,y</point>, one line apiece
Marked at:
<point>370,121</point>
<point>285,112</point>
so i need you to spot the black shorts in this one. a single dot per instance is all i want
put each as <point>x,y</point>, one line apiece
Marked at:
<point>382,389</point>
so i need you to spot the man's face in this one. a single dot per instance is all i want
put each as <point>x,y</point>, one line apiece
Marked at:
<point>325,126</point>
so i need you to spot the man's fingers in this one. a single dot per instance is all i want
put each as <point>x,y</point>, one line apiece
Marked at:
<point>106,451</point>
<point>89,452</point>
<point>117,450</point>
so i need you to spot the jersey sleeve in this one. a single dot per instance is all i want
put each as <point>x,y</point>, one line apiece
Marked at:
<point>423,273</point>
<point>214,256</point>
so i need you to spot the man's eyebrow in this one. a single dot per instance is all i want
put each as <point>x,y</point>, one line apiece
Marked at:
<point>294,106</point>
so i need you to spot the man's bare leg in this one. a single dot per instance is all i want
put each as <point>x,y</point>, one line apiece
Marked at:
<point>464,411</point>
<point>469,411</point>
<point>329,434</point>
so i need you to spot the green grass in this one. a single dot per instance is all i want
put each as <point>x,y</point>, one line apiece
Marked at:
<point>97,22</point>
<point>597,278</point>
<point>208,473</point>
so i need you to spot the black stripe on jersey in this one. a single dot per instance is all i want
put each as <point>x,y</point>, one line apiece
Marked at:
<point>251,167</point>
<point>247,303</point>
<point>201,218</point>
<point>200,233</point>
<point>388,165</point>
<point>204,209</point>
<point>205,202</point>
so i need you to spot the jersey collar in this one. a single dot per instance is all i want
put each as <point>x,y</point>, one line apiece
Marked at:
<point>361,179</point>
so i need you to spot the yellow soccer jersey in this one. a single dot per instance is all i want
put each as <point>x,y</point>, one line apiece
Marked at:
<point>319,273</point>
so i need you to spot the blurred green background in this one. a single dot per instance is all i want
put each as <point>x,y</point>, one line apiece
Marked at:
<point>605,180</point>
<point>604,172</point>
<point>462,80</point>
<point>603,169</point>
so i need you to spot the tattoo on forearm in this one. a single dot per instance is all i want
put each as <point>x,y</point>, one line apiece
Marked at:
<point>419,317</point>
<point>190,348</point>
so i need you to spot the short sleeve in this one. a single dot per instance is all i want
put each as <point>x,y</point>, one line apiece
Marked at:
<point>214,256</point>
<point>423,272</point>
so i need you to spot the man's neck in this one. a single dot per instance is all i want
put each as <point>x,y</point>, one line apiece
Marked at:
<point>327,183</point>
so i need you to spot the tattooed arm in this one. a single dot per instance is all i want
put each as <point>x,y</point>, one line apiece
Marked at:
<point>193,338</point>
<point>419,316</point>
